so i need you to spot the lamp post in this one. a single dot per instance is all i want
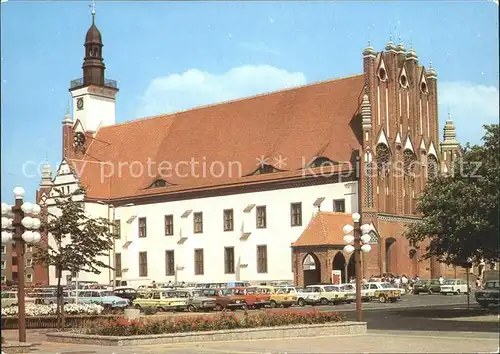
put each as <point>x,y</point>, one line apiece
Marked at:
<point>357,243</point>
<point>16,218</point>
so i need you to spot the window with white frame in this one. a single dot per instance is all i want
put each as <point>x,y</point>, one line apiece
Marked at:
<point>3,249</point>
<point>3,278</point>
<point>29,278</point>
<point>29,248</point>
<point>3,264</point>
<point>29,262</point>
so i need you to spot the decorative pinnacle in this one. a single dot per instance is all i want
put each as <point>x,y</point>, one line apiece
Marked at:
<point>430,64</point>
<point>369,43</point>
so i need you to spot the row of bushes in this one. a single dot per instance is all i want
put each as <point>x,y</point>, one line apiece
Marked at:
<point>221,321</point>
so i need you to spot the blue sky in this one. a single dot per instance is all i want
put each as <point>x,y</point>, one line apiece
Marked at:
<point>168,56</point>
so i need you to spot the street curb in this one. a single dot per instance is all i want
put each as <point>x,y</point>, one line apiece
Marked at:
<point>282,332</point>
<point>12,348</point>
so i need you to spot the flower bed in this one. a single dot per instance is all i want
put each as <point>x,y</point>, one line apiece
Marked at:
<point>47,310</point>
<point>71,321</point>
<point>221,321</point>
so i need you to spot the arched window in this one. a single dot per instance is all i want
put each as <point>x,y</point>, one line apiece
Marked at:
<point>409,160</point>
<point>368,179</point>
<point>432,166</point>
<point>383,160</point>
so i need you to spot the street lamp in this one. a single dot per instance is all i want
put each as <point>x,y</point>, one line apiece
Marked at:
<point>17,218</point>
<point>357,243</point>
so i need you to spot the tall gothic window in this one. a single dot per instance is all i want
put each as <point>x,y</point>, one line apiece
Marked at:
<point>409,160</point>
<point>368,179</point>
<point>432,166</point>
<point>383,161</point>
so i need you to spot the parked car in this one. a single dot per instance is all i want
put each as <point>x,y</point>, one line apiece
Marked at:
<point>385,292</point>
<point>225,299</point>
<point>349,290</point>
<point>161,300</point>
<point>9,298</point>
<point>325,294</point>
<point>427,286</point>
<point>489,294</point>
<point>126,293</point>
<point>454,286</point>
<point>253,297</point>
<point>277,296</point>
<point>196,301</point>
<point>101,297</point>
<point>300,293</point>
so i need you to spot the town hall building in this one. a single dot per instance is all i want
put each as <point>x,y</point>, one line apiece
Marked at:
<point>258,188</point>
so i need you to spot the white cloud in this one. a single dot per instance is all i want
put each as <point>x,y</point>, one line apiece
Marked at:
<point>195,88</point>
<point>471,105</point>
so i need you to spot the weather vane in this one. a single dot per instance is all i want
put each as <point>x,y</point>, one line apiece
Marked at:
<point>92,6</point>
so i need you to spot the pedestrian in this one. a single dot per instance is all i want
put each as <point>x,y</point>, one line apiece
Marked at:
<point>478,283</point>
<point>441,280</point>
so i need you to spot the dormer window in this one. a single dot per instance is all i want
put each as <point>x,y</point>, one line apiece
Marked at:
<point>159,183</point>
<point>322,162</point>
<point>265,168</point>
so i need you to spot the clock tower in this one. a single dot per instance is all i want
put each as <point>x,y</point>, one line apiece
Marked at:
<point>93,95</point>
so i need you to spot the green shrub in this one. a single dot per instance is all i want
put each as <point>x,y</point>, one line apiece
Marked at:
<point>221,321</point>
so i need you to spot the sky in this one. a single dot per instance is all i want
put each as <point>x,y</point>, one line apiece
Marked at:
<point>168,56</point>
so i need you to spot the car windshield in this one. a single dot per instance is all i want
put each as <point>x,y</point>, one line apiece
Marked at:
<point>225,292</point>
<point>386,285</point>
<point>492,284</point>
<point>306,290</point>
<point>449,282</point>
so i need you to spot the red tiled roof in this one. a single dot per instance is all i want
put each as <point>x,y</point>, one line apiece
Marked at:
<point>325,228</point>
<point>296,124</point>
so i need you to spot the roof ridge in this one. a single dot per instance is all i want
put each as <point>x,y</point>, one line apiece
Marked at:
<point>247,98</point>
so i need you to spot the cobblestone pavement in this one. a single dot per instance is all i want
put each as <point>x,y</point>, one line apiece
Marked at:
<point>373,342</point>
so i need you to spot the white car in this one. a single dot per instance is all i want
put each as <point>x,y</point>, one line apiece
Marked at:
<point>454,286</point>
<point>383,291</point>
<point>350,291</point>
<point>301,293</point>
<point>325,294</point>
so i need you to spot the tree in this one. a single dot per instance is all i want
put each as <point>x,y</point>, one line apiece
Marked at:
<point>460,212</point>
<point>78,242</point>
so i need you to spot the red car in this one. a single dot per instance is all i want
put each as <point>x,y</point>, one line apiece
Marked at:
<point>253,297</point>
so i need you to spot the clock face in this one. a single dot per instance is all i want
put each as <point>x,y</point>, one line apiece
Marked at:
<point>79,103</point>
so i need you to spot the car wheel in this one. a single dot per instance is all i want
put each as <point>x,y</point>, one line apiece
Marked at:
<point>324,301</point>
<point>191,308</point>
<point>457,292</point>
<point>138,307</point>
<point>382,299</point>
<point>431,292</point>
<point>218,307</point>
<point>415,293</point>
<point>244,307</point>
<point>273,304</point>
<point>301,302</point>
